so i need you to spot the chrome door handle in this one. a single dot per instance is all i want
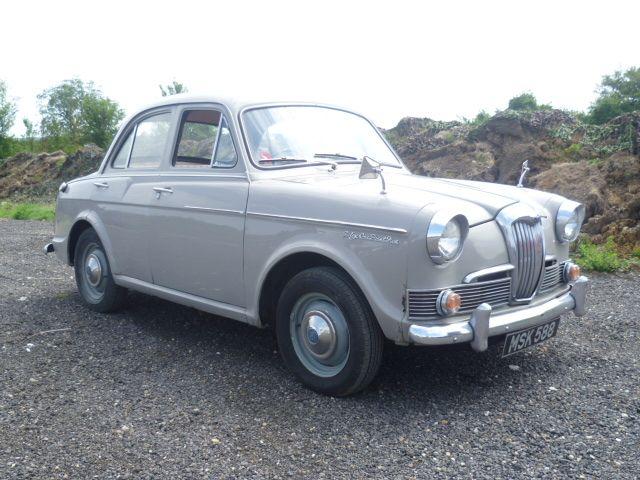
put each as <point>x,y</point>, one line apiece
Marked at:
<point>160,190</point>
<point>101,184</point>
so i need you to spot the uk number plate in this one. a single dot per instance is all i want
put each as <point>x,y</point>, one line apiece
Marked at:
<point>516,341</point>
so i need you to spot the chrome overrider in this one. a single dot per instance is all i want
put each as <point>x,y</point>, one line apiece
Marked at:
<point>482,324</point>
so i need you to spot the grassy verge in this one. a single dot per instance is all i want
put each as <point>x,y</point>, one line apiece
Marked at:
<point>604,257</point>
<point>27,211</point>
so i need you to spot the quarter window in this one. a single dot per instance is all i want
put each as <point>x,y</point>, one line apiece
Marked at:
<point>150,141</point>
<point>123,154</point>
<point>226,156</point>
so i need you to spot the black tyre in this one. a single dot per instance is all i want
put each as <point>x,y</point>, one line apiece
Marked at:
<point>93,275</point>
<point>327,334</point>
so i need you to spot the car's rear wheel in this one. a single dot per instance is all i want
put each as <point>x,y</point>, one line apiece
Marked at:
<point>327,334</point>
<point>93,275</point>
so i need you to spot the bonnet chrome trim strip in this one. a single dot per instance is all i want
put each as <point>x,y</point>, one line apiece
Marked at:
<point>336,223</point>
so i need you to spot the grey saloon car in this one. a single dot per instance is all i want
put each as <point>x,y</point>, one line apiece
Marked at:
<point>300,217</point>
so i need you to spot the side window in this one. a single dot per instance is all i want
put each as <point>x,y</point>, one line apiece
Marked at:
<point>120,161</point>
<point>226,156</point>
<point>150,141</point>
<point>198,132</point>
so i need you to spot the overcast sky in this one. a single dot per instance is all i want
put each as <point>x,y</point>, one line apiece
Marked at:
<point>391,59</point>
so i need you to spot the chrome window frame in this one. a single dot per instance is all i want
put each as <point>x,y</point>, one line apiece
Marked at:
<point>224,121</point>
<point>125,136</point>
<point>132,127</point>
<point>138,122</point>
<point>178,135</point>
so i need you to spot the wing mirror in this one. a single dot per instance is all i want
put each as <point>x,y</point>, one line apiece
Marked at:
<point>370,170</point>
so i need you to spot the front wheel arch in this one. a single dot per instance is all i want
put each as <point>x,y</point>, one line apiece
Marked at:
<point>285,269</point>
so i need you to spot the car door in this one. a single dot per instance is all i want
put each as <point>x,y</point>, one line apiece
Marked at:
<point>198,210</point>
<point>122,194</point>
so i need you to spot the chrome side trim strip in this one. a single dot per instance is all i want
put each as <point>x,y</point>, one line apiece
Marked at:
<point>214,210</point>
<point>212,306</point>
<point>336,223</point>
<point>474,276</point>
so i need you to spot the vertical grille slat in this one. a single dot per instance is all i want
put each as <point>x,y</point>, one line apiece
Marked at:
<point>530,257</point>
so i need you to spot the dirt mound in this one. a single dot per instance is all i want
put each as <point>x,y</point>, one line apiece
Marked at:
<point>38,176</point>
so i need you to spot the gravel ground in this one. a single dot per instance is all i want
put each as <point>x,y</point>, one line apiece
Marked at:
<point>163,391</point>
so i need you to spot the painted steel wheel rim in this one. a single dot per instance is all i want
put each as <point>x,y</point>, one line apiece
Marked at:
<point>319,334</point>
<point>94,273</point>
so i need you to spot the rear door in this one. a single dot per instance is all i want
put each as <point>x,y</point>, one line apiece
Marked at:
<point>198,210</point>
<point>123,192</point>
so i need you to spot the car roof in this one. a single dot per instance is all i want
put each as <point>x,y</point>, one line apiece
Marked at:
<point>233,103</point>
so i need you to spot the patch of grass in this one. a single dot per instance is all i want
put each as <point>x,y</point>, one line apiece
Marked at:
<point>449,137</point>
<point>573,151</point>
<point>27,211</point>
<point>600,258</point>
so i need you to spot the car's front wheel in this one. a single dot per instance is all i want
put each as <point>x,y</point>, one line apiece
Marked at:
<point>93,275</point>
<point>327,334</point>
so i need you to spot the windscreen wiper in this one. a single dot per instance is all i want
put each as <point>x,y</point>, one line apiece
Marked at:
<point>334,155</point>
<point>270,161</point>
<point>266,161</point>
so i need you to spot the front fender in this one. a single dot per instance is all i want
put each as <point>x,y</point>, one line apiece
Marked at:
<point>378,267</point>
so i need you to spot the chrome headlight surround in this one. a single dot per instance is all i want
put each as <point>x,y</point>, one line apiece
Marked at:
<point>569,220</point>
<point>438,232</point>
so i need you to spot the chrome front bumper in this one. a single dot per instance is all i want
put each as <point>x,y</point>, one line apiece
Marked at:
<point>483,325</point>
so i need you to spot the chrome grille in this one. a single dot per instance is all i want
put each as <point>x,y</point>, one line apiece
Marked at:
<point>552,276</point>
<point>422,303</point>
<point>529,260</point>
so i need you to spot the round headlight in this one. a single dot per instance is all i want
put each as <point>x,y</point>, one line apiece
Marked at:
<point>445,236</point>
<point>569,220</point>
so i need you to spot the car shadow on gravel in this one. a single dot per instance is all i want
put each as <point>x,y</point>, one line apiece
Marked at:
<point>206,348</point>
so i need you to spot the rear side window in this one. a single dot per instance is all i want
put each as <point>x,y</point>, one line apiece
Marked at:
<point>120,161</point>
<point>197,140</point>
<point>150,141</point>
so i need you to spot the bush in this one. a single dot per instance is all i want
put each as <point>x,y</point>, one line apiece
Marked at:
<point>619,94</point>
<point>573,151</point>
<point>523,102</point>
<point>600,258</point>
<point>27,211</point>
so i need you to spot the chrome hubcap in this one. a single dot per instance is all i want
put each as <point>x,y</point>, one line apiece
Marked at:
<point>320,334</point>
<point>93,270</point>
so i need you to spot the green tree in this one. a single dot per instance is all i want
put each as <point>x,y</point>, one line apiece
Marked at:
<point>523,102</point>
<point>74,112</point>
<point>29,133</point>
<point>619,94</point>
<point>173,89</point>
<point>101,117</point>
<point>61,110</point>
<point>7,117</point>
